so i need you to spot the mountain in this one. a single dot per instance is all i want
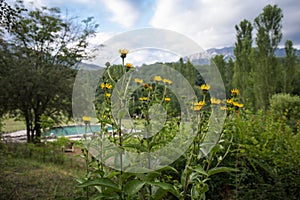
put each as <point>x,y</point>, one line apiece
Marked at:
<point>198,58</point>
<point>228,52</point>
<point>86,66</point>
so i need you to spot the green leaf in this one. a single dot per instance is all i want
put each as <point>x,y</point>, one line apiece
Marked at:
<point>183,176</point>
<point>106,196</point>
<point>168,168</point>
<point>159,194</point>
<point>122,113</point>
<point>113,174</point>
<point>133,186</point>
<point>220,170</point>
<point>80,180</point>
<point>165,186</point>
<point>200,170</point>
<point>101,182</point>
<point>138,169</point>
<point>149,176</point>
<point>139,147</point>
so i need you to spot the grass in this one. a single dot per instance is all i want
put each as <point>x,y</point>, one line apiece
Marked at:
<point>11,125</point>
<point>30,178</point>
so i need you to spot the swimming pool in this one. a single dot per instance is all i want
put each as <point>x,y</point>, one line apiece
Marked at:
<point>73,130</point>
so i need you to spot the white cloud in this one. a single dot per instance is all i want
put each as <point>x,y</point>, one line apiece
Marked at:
<point>101,37</point>
<point>209,22</point>
<point>151,56</point>
<point>124,13</point>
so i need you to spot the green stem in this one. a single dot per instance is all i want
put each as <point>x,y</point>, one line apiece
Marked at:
<point>187,176</point>
<point>108,73</point>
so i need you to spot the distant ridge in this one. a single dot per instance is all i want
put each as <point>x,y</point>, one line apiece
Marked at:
<point>199,58</point>
<point>228,52</point>
<point>86,66</point>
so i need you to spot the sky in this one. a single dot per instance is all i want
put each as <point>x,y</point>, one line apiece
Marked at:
<point>210,23</point>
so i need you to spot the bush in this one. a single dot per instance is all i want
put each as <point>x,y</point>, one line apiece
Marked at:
<point>287,108</point>
<point>267,154</point>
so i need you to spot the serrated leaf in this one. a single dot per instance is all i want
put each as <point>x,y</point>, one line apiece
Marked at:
<point>133,186</point>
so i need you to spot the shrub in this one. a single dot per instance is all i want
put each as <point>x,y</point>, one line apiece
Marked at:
<point>267,154</point>
<point>287,108</point>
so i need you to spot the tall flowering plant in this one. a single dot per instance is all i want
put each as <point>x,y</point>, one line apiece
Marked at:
<point>153,129</point>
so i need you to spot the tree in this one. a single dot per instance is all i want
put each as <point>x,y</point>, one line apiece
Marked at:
<point>268,26</point>
<point>225,70</point>
<point>39,66</point>
<point>230,73</point>
<point>9,14</point>
<point>289,67</point>
<point>242,52</point>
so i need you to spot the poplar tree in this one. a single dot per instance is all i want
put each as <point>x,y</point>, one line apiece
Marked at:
<point>289,67</point>
<point>242,66</point>
<point>266,72</point>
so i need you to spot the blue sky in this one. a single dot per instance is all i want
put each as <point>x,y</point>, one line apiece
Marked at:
<point>210,23</point>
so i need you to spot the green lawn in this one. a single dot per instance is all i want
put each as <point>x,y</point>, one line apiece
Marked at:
<point>29,178</point>
<point>11,125</point>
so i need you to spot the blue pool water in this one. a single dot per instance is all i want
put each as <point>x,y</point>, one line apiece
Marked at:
<point>73,130</point>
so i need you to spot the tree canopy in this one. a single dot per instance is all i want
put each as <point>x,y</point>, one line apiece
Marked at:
<point>37,64</point>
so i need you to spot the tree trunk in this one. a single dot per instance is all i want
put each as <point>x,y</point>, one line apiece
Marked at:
<point>28,128</point>
<point>37,128</point>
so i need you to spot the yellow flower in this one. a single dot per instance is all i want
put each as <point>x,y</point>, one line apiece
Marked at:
<point>108,86</point>
<point>167,99</point>
<point>238,105</point>
<point>197,108</point>
<point>102,85</point>
<point>86,118</point>
<point>229,101</point>
<point>198,105</point>
<point>215,101</point>
<point>157,78</point>
<point>129,65</point>
<point>143,98</point>
<point>139,81</point>
<point>123,52</point>
<point>148,86</point>
<point>107,95</point>
<point>167,81</point>
<point>235,92</point>
<point>224,108</point>
<point>205,87</point>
